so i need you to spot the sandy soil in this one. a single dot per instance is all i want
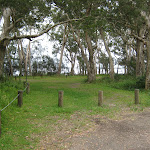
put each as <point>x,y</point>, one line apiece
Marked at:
<point>130,133</point>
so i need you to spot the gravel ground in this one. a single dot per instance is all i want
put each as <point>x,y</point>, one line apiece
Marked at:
<point>130,133</point>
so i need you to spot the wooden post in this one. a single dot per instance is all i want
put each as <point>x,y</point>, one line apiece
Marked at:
<point>20,98</point>
<point>100,98</point>
<point>60,98</point>
<point>0,123</point>
<point>28,88</point>
<point>136,96</point>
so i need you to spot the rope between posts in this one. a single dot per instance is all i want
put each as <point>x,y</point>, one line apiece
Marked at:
<point>12,101</point>
<point>25,89</point>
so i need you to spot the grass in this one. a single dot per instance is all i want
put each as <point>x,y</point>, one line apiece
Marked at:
<point>23,128</point>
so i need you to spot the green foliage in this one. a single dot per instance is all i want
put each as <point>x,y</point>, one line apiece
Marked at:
<point>124,82</point>
<point>140,82</point>
<point>8,91</point>
<point>40,115</point>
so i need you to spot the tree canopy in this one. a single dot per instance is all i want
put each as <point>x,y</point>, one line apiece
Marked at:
<point>123,26</point>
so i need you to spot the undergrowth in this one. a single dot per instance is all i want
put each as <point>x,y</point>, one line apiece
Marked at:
<point>23,128</point>
<point>9,90</point>
<point>124,82</point>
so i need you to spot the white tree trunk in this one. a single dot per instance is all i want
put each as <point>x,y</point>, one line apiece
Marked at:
<point>111,63</point>
<point>62,49</point>
<point>9,60</point>
<point>91,73</point>
<point>20,57</point>
<point>5,32</point>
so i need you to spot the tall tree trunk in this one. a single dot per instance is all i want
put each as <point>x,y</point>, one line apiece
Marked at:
<point>5,32</point>
<point>139,59</point>
<point>29,59</point>
<point>111,63</point>
<point>99,65</point>
<point>95,64</point>
<point>147,81</point>
<point>80,70</point>
<point>73,58</point>
<point>77,39</point>
<point>140,67</point>
<point>9,60</point>
<point>91,73</point>
<point>26,61</point>
<point>2,55</point>
<point>128,57</point>
<point>20,57</point>
<point>62,49</point>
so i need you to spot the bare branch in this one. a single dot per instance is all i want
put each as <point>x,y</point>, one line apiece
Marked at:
<point>139,38</point>
<point>39,34</point>
<point>13,25</point>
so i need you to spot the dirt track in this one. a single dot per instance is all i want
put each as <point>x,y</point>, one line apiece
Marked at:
<point>130,133</point>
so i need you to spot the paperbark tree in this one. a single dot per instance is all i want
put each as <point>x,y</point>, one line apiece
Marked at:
<point>5,32</point>
<point>22,14</point>
<point>91,71</point>
<point>65,35</point>
<point>71,51</point>
<point>20,56</point>
<point>147,19</point>
<point>111,62</point>
<point>9,61</point>
<point>140,66</point>
<point>89,63</point>
<point>29,58</point>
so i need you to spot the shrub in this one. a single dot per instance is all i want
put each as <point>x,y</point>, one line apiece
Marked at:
<point>140,83</point>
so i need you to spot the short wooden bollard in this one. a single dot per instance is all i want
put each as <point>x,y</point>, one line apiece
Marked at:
<point>100,98</point>
<point>136,96</point>
<point>28,88</point>
<point>0,124</point>
<point>60,98</point>
<point>20,98</point>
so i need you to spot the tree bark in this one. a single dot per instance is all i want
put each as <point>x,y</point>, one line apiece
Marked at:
<point>73,58</point>
<point>20,59</point>
<point>62,49</point>
<point>111,63</point>
<point>77,39</point>
<point>91,73</point>
<point>5,32</point>
<point>128,57</point>
<point>9,60</point>
<point>139,59</point>
<point>147,81</point>
<point>2,55</point>
<point>140,67</point>
<point>29,59</point>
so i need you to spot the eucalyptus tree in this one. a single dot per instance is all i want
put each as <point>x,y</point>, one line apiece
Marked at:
<point>134,16</point>
<point>85,31</point>
<point>22,14</point>
<point>111,62</point>
<point>15,15</point>
<point>71,52</point>
<point>60,36</point>
<point>104,61</point>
